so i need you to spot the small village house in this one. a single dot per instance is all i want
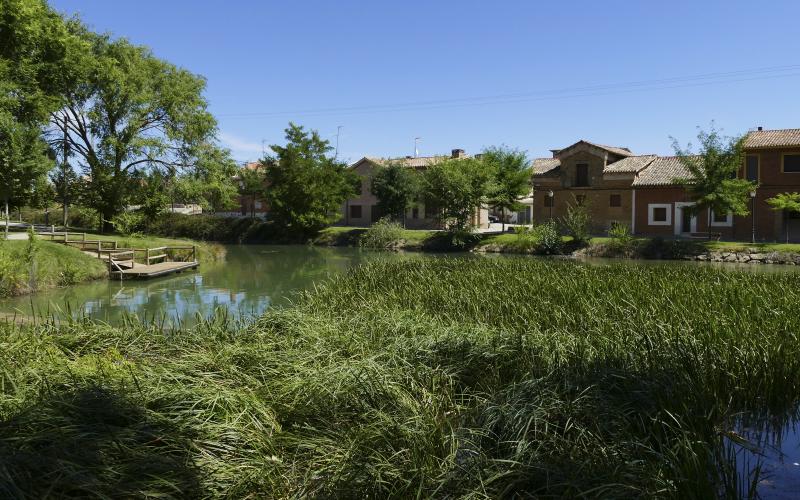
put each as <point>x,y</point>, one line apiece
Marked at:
<point>363,210</point>
<point>641,190</point>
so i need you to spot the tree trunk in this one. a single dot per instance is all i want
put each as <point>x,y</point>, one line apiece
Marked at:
<point>6,211</point>
<point>503,219</point>
<point>708,228</point>
<point>786,224</point>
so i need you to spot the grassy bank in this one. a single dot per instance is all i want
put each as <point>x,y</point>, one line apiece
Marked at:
<point>446,378</point>
<point>48,265</point>
<point>206,251</point>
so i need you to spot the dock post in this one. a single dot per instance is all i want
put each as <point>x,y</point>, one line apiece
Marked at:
<point>147,255</point>
<point>99,247</point>
<point>84,237</point>
<point>194,253</point>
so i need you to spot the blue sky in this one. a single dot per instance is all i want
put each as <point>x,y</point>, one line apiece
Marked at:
<point>553,72</point>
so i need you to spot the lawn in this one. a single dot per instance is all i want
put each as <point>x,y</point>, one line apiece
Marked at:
<point>51,265</point>
<point>476,378</point>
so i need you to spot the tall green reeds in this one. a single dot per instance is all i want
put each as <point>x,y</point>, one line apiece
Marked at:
<point>435,377</point>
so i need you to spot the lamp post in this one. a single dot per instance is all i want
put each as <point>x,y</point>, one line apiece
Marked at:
<point>551,194</point>
<point>753,213</point>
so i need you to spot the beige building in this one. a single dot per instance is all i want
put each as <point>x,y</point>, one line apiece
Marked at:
<point>363,210</point>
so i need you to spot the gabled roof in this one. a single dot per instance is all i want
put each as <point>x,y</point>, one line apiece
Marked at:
<point>543,166</point>
<point>619,151</point>
<point>788,137</point>
<point>662,171</point>
<point>629,165</point>
<point>418,162</point>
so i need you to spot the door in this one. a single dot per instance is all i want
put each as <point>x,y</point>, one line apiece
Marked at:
<point>685,222</point>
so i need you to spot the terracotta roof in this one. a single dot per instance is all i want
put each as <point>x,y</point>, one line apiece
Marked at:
<point>542,166</point>
<point>421,161</point>
<point>630,164</point>
<point>662,171</point>
<point>772,138</point>
<point>619,151</point>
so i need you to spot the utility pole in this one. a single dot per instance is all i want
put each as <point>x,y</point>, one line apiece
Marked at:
<point>416,148</point>
<point>64,175</point>
<point>338,131</point>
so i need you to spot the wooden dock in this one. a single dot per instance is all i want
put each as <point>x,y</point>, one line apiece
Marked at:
<point>141,263</point>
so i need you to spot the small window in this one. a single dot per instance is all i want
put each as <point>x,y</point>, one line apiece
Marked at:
<point>721,219</point>
<point>355,211</point>
<point>431,211</point>
<point>580,200</point>
<point>791,163</point>
<point>615,200</point>
<point>752,168</point>
<point>258,205</point>
<point>548,201</point>
<point>581,175</point>
<point>415,213</point>
<point>659,214</point>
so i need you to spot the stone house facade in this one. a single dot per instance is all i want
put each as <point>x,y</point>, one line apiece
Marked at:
<point>641,190</point>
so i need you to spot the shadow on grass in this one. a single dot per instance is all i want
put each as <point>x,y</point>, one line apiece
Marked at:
<point>92,442</point>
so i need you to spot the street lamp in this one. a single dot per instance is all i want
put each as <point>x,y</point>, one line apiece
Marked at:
<point>753,213</point>
<point>550,195</point>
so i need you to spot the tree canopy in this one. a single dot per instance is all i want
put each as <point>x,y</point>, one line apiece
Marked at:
<point>397,187</point>
<point>788,203</point>
<point>511,178</point>
<point>457,187</point>
<point>712,183</point>
<point>305,185</point>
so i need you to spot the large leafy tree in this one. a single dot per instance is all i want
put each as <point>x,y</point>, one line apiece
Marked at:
<point>210,181</point>
<point>397,187</point>
<point>711,181</point>
<point>35,43</point>
<point>512,178</point>
<point>788,203</point>
<point>458,187</point>
<point>305,186</point>
<point>133,113</point>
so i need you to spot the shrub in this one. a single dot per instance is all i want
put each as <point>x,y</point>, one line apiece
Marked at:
<point>129,223</point>
<point>621,237</point>
<point>576,222</point>
<point>383,234</point>
<point>212,228</point>
<point>548,239</point>
<point>526,238</point>
<point>83,217</point>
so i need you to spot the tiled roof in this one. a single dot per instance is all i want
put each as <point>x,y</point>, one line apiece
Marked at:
<point>662,171</point>
<point>772,138</point>
<point>545,165</point>
<point>630,164</point>
<point>421,161</point>
<point>619,151</point>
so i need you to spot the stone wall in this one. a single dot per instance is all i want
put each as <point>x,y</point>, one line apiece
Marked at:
<point>748,257</point>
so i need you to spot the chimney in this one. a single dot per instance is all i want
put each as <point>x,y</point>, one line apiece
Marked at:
<point>760,129</point>
<point>458,153</point>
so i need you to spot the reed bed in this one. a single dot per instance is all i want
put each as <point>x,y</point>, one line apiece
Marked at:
<point>467,378</point>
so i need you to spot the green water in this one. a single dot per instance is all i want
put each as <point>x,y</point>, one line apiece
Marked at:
<point>251,279</point>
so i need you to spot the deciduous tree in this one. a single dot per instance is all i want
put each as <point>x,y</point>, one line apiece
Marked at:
<point>788,203</point>
<point>397,187</point>
<point>458,187</point>
<point>511,178</point>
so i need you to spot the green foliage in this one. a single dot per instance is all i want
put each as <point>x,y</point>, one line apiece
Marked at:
<point>212,228</point>
<point>394,379</point>
<point>511,178</point>
<point>577,222</point>
<point>457,186</point>
<point>129,223</point>
<point>712,183</point>
<point>788,203</point>
<point>397,188</point>
<point>307,186</point>
<point>621,237</point>
<point>385,233</point>
<point>548,239</point>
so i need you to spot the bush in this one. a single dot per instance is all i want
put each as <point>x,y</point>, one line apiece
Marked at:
<point>212,228</point>
<point>83,217</point>
<point>526,238</point>
<point>129,223</point>
<point>548,239</point>
<point>621,237</point>
<point>576,222</point>
<point>383,234</point>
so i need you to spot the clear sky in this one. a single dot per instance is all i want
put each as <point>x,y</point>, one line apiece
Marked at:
<point>470,74</point>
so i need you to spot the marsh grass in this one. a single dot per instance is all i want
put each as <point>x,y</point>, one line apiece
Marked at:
<point>442,377</point>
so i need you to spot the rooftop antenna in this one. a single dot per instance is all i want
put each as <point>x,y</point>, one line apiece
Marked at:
<point>416,148</point>
<point>338,131</point>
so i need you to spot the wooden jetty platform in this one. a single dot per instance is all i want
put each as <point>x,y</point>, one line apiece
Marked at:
<point>124,263</point>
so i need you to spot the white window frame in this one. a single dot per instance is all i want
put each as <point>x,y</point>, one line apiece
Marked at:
<point>651,208</point>
<point>728,220</point>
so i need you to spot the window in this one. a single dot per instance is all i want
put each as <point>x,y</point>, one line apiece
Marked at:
<point>721,219</point>
<point>615,200</point>
<point>415,213</point>
<point>751,170</point>
<point>431,211</point>
<point>791,163</point>
<point>581,175</point>
<point>355,211</point>
<point>580,200</point>
<point>659,214</point>
<point>548,201</point>
<point>258,205</point>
